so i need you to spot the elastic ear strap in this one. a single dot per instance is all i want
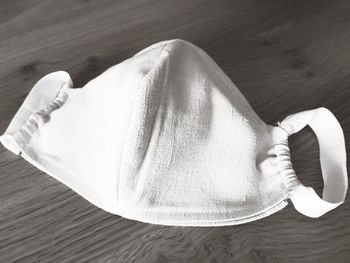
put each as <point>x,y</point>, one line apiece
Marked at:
<point>332,158</point>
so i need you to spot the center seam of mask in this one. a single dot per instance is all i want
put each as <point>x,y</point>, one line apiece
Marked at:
<point>132,114</point>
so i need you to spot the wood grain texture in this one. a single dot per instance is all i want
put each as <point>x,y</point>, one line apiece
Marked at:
<point>285,56</point>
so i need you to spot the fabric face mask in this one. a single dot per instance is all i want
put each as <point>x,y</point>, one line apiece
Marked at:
<point>165,137</point>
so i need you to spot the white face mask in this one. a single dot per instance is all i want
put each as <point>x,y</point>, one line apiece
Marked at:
<point>165,137</point>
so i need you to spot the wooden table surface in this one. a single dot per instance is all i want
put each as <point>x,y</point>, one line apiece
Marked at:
<point>285,56</point>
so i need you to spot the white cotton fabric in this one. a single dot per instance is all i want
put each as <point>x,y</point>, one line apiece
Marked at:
<point>164,137</point>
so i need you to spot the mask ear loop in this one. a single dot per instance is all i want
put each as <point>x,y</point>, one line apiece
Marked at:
<point>332,158</point>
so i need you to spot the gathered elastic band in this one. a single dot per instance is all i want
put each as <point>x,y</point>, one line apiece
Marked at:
<point>332,158</point>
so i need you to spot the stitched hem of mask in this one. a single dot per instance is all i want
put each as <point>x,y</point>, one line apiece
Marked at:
<point>285,166</point>
<point>156,218</point>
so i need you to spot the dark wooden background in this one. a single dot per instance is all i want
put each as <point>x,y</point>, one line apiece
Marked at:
<point>285,56</point>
